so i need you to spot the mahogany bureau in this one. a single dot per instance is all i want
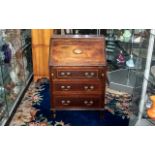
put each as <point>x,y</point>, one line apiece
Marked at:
<point>77,67</point>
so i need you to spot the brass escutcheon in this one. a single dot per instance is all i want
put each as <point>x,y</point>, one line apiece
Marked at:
<point>77,51</point>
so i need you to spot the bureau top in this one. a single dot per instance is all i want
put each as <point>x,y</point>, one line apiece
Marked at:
<point>77,50</point>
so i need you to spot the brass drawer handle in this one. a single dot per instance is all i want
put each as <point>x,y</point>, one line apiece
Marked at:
<point>88,103</point>
<point>62,73</point>
<point>86,87</point>
<point>62,87</point>
<point>68,87</point>
<point>89,75</point>
<point>89,88</point>
<point>102,74</point>
<point>68,73</point>
<point>86,73</point>
<point>91,102</point>
<point>68,101</point>
<point>65,88</point>
<point>65,102</point>
<point>65,73</point>
<point>92,73</point>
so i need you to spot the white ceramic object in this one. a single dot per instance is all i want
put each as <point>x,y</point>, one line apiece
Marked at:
<point>137,40</point>
<point>121,38</point>
<point>16,89</point>
<point>12,49</point>
<point>14,77</point>
<point>130,62</point>
<point>17,69</point>
<point>25,62</point>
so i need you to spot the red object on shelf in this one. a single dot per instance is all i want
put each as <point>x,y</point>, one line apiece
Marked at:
<point>120,58</point>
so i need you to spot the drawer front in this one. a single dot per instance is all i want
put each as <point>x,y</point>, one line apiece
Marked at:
<point>78,73</point>
<point>77,102</point>
<point>85,86</point>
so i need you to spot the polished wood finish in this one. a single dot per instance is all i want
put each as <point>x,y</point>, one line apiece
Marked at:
<point>77,72</point>
<point>76,86</point>
<point>77,69</point>
<point>77,51</point>
<point>78,102</point>
<point>40,52</point>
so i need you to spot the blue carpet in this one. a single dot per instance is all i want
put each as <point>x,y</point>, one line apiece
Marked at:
<point>73,118</point>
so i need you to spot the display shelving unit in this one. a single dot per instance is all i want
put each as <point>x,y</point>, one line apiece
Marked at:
<point>15,69</point>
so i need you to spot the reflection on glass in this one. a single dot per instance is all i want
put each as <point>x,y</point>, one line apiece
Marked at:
<point>15,65</point>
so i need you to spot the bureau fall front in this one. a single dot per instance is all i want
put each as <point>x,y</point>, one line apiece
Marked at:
<point>77,67</point>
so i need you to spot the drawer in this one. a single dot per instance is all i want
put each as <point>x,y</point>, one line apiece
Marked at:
<point>78,73</point>
<point>86,86</point>
<point>77,101</point>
